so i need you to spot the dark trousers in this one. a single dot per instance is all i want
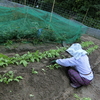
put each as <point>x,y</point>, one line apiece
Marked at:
<point>76,79</point>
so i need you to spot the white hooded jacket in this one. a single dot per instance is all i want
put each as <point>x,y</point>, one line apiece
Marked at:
<point>76,51</point>
<point>79,61</point>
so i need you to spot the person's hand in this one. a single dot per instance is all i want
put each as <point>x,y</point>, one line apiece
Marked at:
<point>53,62</point>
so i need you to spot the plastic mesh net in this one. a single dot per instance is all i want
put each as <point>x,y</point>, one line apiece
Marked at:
<point>32,23</point>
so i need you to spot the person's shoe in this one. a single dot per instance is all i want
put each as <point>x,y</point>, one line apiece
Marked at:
<point>73,85</point>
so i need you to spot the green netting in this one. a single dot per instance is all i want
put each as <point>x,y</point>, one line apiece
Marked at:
<point>26,22</point>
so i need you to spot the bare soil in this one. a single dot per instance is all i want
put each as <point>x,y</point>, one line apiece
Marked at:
<point>51,84</point>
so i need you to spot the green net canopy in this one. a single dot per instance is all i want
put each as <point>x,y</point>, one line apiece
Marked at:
<point>27,22</point>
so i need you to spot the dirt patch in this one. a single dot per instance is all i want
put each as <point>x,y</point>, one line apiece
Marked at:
<point>47,84</point>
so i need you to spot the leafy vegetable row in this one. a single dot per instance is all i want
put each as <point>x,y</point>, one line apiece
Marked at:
<point>30,57</point>
<point>37,56</point>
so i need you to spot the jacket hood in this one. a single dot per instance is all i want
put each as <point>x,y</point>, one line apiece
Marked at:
<point>76,50</point>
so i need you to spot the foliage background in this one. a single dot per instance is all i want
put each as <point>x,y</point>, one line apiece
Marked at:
<point>84,11</point>
<point>80,6</point>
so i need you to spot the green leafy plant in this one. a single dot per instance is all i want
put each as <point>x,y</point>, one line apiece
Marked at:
<point>24,62</point>
<point>8,43</point>
<point>31,95</point>
<point>34,72</point>
<point>87,43</point>
<point>8,77</point>
<point>5,60</point>
<point>53,66</point>
<point>37,56</point>
<point>92,49</point>
<point>79,98</point>
<point>89,49</point>
<point>54,53</point>
<point>43,70</point>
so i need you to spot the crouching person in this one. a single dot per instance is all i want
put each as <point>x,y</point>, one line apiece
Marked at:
<point>79,69</point>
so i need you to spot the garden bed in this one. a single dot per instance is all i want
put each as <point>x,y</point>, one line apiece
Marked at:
<point>46,83</point>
